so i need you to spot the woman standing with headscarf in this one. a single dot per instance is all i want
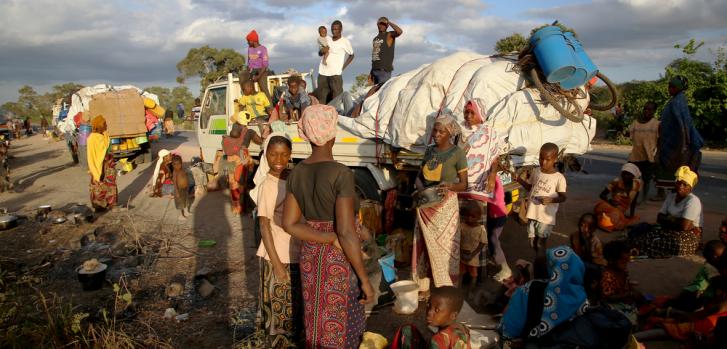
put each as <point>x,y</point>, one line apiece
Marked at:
<point>484,184</point>
<point>436,234</point>
<point>617,198</point>
<point>101,166</point>
<point>335,283</point>
<point>679,140</point>
<point>679,228</point>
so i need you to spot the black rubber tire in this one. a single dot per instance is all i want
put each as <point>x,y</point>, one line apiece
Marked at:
<point>575,117</point>
<point>614,94</point>
<point>366,186</point>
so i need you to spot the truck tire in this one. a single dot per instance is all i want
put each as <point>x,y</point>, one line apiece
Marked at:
<point>366,186</point>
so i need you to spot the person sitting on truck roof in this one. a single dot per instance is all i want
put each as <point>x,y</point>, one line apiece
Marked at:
<point>253,105</point>
<point>257,63</point>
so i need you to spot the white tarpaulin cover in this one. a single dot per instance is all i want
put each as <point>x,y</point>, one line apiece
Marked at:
<point>407,105</point>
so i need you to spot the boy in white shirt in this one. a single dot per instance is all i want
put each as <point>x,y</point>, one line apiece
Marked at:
<point>547,189</point>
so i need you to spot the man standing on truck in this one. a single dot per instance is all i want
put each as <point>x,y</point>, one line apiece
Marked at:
<point>257,63</point>
<point>382,53</point>
<point>340,55</point>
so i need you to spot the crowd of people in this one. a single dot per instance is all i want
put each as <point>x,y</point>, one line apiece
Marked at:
<point>313,281</point>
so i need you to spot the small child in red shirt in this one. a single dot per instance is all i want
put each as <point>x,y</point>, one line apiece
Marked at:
<point>445,304</point>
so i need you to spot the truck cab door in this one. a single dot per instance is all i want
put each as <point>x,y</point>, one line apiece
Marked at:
<point>212,123</point>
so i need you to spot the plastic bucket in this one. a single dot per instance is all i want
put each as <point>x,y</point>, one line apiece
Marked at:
<point>553,53</point>
<point>582,56</point>
<point>407,296</point>
<point>84,130</point>
<point>585,69</point>
<point>578,78</point>
<point>387,267</point>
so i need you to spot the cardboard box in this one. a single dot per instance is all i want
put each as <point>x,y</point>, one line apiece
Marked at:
<point>123,111</point>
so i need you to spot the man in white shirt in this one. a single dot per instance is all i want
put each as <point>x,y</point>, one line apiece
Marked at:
<point>340,55</point>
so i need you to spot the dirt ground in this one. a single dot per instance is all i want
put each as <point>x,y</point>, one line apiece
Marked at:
<point>147,241</point>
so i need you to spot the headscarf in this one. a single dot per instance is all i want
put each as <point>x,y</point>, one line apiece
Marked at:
<point>632,169</point>
<point>252,36</point>
<point>449,123</point>
<point>564,296</point>
<point>97,145</point>
<point>318,124</point>
<point>685,174</point>
<point>679,82</point>
<point>98,124</point>
<point>263,168</point>
<point>475,106</point>
<point>162,153</point>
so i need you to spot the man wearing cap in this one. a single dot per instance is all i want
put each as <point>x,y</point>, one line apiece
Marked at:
<point>257,63</point>
<point>340,55</point>
<point>382,54</point>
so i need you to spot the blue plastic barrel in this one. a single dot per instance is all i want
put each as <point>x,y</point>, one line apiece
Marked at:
<point>553,53</point>
<point>585,71</point>
<point>83,131</point>
<point>387,267</point>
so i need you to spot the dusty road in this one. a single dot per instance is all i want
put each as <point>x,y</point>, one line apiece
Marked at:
<point>43,174</point>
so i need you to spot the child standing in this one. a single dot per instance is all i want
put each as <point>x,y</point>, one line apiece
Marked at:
<point>473,239</point>
<point>169,123</point>
<point>496,218</point>
<point>547,189</point>
<point>182,189</point>
<point>323,43</point>
<point>253,105</point>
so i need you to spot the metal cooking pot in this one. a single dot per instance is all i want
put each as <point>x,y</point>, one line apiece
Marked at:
<point>427,197</point>
<point>8,221</point>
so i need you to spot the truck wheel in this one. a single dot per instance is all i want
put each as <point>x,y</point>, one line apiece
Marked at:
<point>366,186</point>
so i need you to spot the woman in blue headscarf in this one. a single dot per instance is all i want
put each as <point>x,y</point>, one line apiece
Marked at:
<point>563,297</point>
<point>679,141</point>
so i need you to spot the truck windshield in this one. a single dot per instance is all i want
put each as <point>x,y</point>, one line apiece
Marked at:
<point>214,104</point>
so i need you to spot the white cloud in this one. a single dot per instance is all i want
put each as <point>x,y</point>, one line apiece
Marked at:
<point>45,42</point>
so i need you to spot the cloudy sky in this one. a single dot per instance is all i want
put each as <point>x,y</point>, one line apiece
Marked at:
<point>47,42</point>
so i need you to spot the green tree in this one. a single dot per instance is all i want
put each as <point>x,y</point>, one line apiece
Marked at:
<point>63,90</point>
<point>361,83</point>
<point>706,95</point>
<point>169,98</point>
<point>513,43</point>
<point>209,64</point>
<point>181,94</point>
